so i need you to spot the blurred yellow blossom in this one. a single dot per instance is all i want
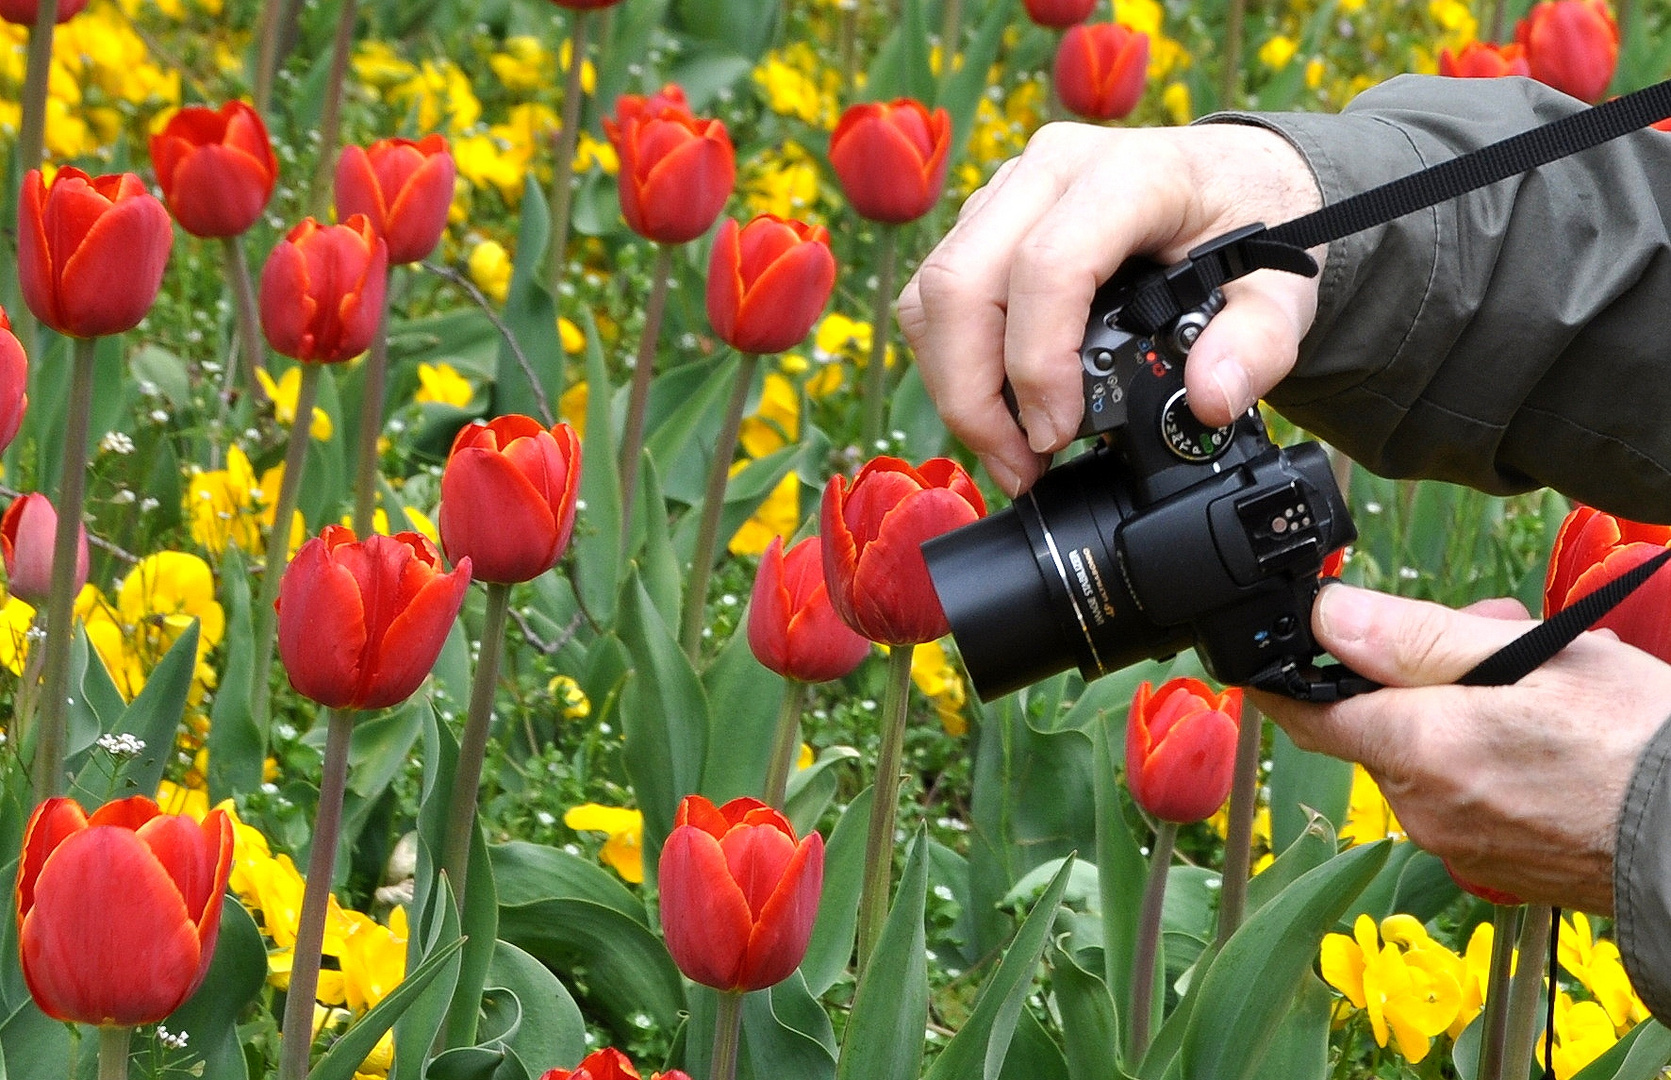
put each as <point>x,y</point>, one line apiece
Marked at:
<point>372,961</point>
<point>588,71</point>
<point>229,506</point>
<point>938,679</point>
<point>1456,20</point>
<point>776,423</point>
<point>570,697</point>
<point>484,161</point>
<point>377,64</point>
<point>572,337</point>
<point>181,800</point>
<point>590,152</point>
<point>1409,986</point>
<point>1176,101</point>
<point>1149,17</point>
<point>779,515</point>
<point>571,408</point>
<point>438,95</point>
<point>1596,964</point>
<point>624,850</point>
<point>1277,51</point>
<point>16,617</point>
<point>1368,815</point>
<point>805,758</point>
<point>285,393</point>
<point>1259,842</point>
<point>441,383</point>
<point>1583,1033</point>
<point>525,65</point>
<point>781,180</point>
<point>490,268</point>
<point>794,81</point>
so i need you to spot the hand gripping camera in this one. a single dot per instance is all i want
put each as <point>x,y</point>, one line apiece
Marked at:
<point>1168,534</point>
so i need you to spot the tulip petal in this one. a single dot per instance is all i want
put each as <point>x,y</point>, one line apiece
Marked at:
<point>756,857</point>
<point>1187,775</point>
<point>181,846</point>
<point>109,282</point>
<point>52,822</point>
<point>36,274</point>
<point>780,307</point>
<point>414,639</point>
<point>317,592</point>
<point>704,916</point>
<point>219,190</point>
<point>784,925</point>
<point>893,593</point>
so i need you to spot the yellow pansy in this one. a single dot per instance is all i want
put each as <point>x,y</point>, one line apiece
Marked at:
<point>568,694</point>
<point>570,334</point>
<point>1476,974</point>
<point>484,160</point>
<point>377,64</point>
<point>16,617</point>
<point>938,679</point>
<point>1277,51</point>
<point>106,634</point>
<point>178,799</point>
<point>1456,19</point>
<point>841,338</point>
<point>805,758</point>
<point>778,515</point>
<point>224,506</point>
<point>1409,987</point>
<point>1583,1033</point>
<point>371,961</point>
<point>284,393</point>
<point>1368,815</point>
<point>1598,966</point>
<point>159,599</point>
<point>825,381</point>
<point>781,181</point>
<point>441,383</point>
<point>439,93</point>
<point>776,423</point>
<point>525,65</point>
<point>590,153</point>
<point>793,81</point>
<point>1259,843</point>
<point>490,268</point>
<point>624,850</point>
<point>588,71</point>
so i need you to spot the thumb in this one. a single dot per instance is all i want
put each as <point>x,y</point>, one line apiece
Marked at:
<point>1401,642</point>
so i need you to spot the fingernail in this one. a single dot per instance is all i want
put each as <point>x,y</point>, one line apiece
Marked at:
<point>1041,433</point>
<point>1345,614</point>
<point>1002,475</point>
<point>1232,383</point>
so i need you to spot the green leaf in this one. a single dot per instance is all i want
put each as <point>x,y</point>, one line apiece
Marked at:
<point>597,545</point>
<point>744,25</point>
<point>553,1031</point>
<point>1252,982</point>
<point>236,977</point>
<point>1314,847</point>
<point>811,789</point>
<point>346,1054</point>
<point>154,716</point>
<point>961,89</point>
<point>1033,1056</point>
<point>477,1063</point>
<point>1090,1024</point>
<point>657,563</point>
<point>901,67</point>
<point>1641,1055</point>
<point>682,441</point>
<point>531,317</point>
<point>884,1038</point>
<point>1300,1048</point>
<point>980,1045</point>
<point>1121,872</point>
<point>786,1033</point>
<point>480,918</point>
<point>831,946</point>
<point>1303,783</point>
<point>237,752</point>
<point>740,734</point>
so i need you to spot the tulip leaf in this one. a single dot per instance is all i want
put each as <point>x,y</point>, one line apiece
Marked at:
<point>632,29</point>
<point>92,710</point>
<point>831,946</point>
<point>697,391</point>
<point>786,1032</point>
<point>37,1047</point>
<point>1303,783</point>
<point>154,716</point>
<point>981,1044</point>
<point>1641,1055</point>
<point>744,25</point>
<point>1251,984</point>
<point>665,718</point>
<point>740,734</point>
<point>811,789</point>
<point>1299,1049</point>
<point>884,1037</point>
<point>656,560</point>
<point>346,1054</point>
<point>1090,1024</point>
<point>962,88</point>
<point>1033,1054</point>
<point>236,977</point>
<point>477,1063</point>
<point>552,1031</point>
<point>1314,847</point>
<point>530,317</point>
<point>597,540</point>
<point>902,67</point>
<point>237,751</point>
<point>480,926</point>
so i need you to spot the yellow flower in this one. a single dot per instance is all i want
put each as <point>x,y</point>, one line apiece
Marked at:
<point>1458,22</point>
<point>223,506</point>
<point>1409,986</point>
<point>371,961</point>
<point>939,681</point>
<point>159,599</point>
<point>781,181</point>
<point>377,64</point>
<point>624,850</point>
<point>590,152</point>
<point>1368,815</point>
<point>776,423</point>
<point>825,382</point>
<point>484,160</point>
<point>490,268</point>
<point>841,338</point>
<point>1259,842</point>
<point>1583,1033</point>
<point>176,799</point>
<point>1598,966</point>
<point>793,81</point>
<point>1277,51</point>
<point>805,758</point>
<point>570,334</point>
<point>441,383</point>
<point>588,72</point>
<point>16,617</point>
<point>779,515</point>
<point>571,408</point>
<point>525,66</point>
<point>1476,974</point>
<point>1176,101</point>
<point>1314,72</point>
<point>576,705</point>
<point>284,393</point>
<point>440,92</point>
<point>108,638</point>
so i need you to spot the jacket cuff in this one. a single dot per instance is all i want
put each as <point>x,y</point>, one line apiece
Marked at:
<point>1642,877</point>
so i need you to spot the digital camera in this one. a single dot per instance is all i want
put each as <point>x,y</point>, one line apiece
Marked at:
<point>1167,534</point>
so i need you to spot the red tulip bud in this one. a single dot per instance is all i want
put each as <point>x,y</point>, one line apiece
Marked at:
<point>14,382</point>
<point>1484,60</point>
<point>404,189</point>
<point>1100,70</point>
<point>508,497</point>
<point>676,170</point>
<point>28,531</point>
<point>1591,549</point>
<point>1060,14</point>
<point>768,282</point>
<point>792,627</point>
<point>1573,45</point>
<point>216,168</point>
<point>25,12</point>
<point>1181,749</point>
<point>891,158</point>
<point>322,290</point>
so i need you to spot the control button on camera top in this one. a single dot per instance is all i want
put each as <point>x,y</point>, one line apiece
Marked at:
<point>1188,437</point>
<point>1098,362</point>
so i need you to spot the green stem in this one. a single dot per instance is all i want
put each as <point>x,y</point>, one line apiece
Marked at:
<point>951,34</point>
<point>1525,990</point>
<point>113,1052</point>
<point>31,138</point>
<point>267,62</point>
<point>1238,835</point>
<point>562,168</point>
<point>713,503</point>
<point>60,603</point>
<point>786,744</point>
<point>371,424</point>
<point>278,549</point>
<point>643,374</point>
<point>881,329</point>
<point>884,808</point>
<point>1231,85</point>
<point>1494,1025</point>
<point>251,349</point>
<point>849,48</point>
<point>330,117</point>
<point>1148,939</point>
<point>728,1031</point>
<point>297,1032</point>
<point>472,749</point>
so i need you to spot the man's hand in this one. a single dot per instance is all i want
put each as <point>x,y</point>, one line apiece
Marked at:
<point>1519,788</point>
<point>1007,291</point>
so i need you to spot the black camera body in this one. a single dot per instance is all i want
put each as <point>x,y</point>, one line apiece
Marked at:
<point>1168,534</point>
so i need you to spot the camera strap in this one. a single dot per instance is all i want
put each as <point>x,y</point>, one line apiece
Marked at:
<point>1186,285</point>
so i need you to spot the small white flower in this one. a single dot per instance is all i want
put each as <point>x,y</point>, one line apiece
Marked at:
<point>122,746</point>
<point>148,503</point>
<point>123,497</point>
<point>117,442</point>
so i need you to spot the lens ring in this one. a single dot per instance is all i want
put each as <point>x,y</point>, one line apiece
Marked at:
<point>1067,586</point>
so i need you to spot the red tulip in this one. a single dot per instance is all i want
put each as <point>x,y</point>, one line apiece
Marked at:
<point>1572,45</point>
<point>891,158</point>
<point>24,12</point>
<point>1484,60</point>
<point>14,382</point>
<point>676,170</point>
<point>738,894</point>
<point>28,531</point>
<point>873,533</point>
<point>216,168</point>
<point>606,1064</point>
<point>90,250</point>
<point>1100,70</point>
<point>1591,549</point>
<point>404,188</point>
<point>322,290</point>
<point>362,621</point>
<point>508,497</point>
<point>1181,749</point>
<point>117,914</point>
<point>1060,14</point>
<point>792,627</point>
<point>768,282</point>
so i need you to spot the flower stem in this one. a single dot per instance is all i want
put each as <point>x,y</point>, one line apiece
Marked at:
<point>728,1031</point>
<point>951,33</point>
<point>251,349</point>
<point>271,29</point>
<point>562,168</point>
<point>472,750</point>
<point>1231,86</point>
<point>297,1032</point>
<point>1494,1025</point>
<point>278,549</point>
<point>330,117</point>
<point>1148,939</point>
<point>371,425</point>
<point>643,373</point>
<point>113,1052</point>
<point>31,137</point>
<point>1524,991</point>
<point>849,49</point>
<point>881,329</point>
<point>884,808</point>
<point>60,604</point>
<point>787,743</point>
<point>713,503</point>
<point>1238,838</point>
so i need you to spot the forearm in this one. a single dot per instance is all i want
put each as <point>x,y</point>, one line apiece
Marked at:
<point>1510,338</point>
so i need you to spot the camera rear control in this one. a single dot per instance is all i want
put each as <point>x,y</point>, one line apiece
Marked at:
<point>1187,329</point>
<point>1188,437</point>
<point>1098,362</point>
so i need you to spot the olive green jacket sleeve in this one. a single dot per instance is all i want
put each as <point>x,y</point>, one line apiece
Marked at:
<point>1517,336</point>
